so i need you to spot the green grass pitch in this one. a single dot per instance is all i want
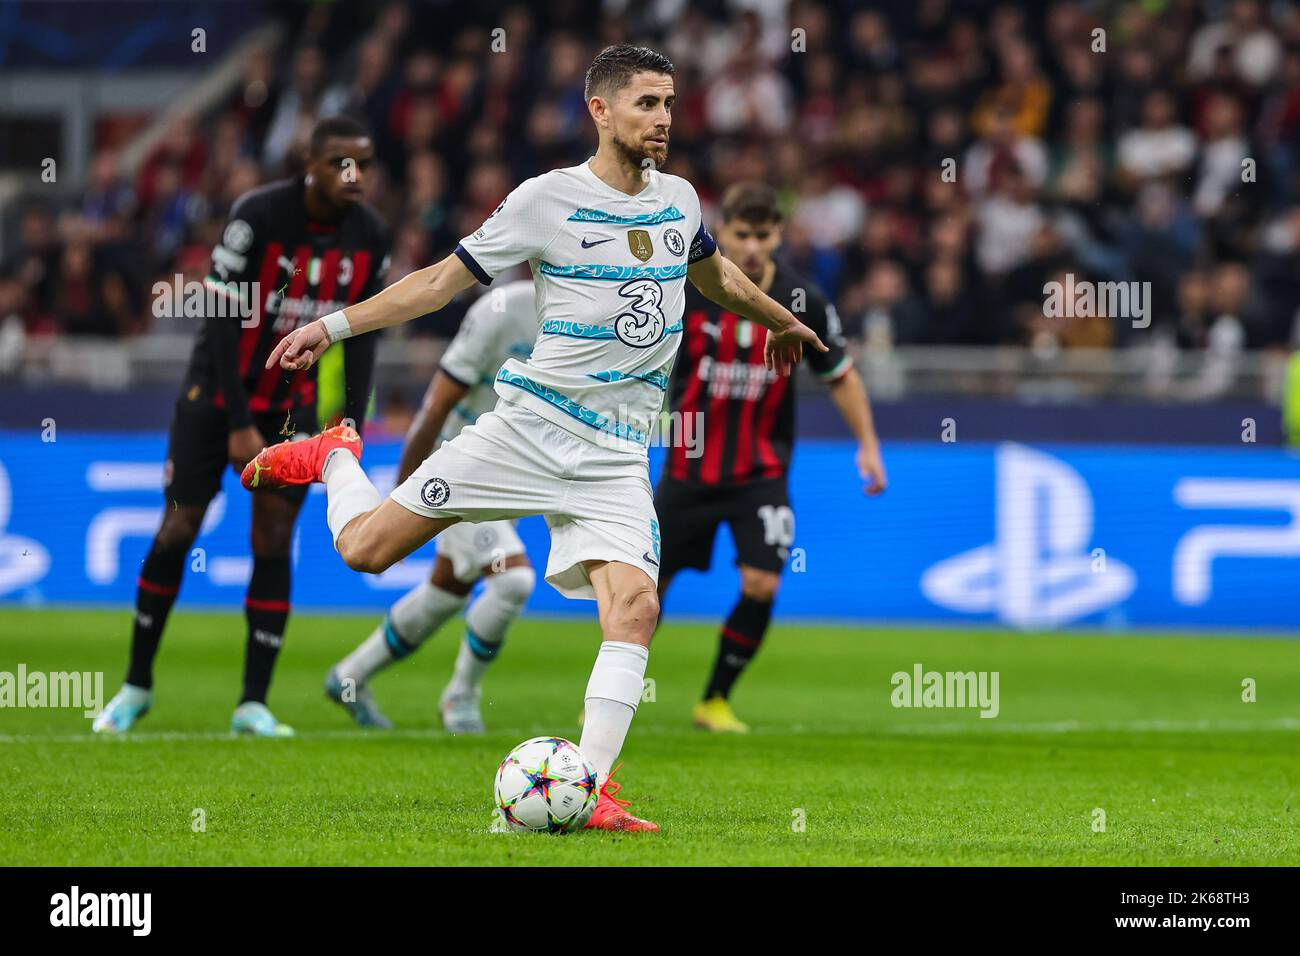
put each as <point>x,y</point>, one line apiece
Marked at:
<point>1150,729</point>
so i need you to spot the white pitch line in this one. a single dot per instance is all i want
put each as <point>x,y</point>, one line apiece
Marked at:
<point>976,724</point>
<point>1111,726</point>
<point>168,736</point>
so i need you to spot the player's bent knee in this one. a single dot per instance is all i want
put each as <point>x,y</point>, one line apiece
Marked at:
<point>764,592</point>
<point>760,585</point>
<point>272,541</point>
<point>367,562</point>
<point>645,611</point>
<point>635,613</point>
<point>364,553</point>
<point>180,527</point>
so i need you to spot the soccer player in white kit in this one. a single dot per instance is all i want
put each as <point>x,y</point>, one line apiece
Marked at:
<point>610,243</point>
<point>501,325</point>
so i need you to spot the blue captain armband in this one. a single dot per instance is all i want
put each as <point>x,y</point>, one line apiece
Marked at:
<point>702,246</point>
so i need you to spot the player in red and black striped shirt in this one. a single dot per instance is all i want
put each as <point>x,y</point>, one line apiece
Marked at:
<point>738,476</point>
<point>291,252</point>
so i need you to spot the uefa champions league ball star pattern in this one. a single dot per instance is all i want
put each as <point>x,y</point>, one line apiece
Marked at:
<point>545,785</point>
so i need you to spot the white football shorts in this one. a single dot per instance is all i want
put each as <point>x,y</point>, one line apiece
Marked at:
<point>472,547</point>
<point>512,463</point>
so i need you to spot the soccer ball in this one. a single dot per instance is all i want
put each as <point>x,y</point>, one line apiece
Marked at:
<point>545,785</point>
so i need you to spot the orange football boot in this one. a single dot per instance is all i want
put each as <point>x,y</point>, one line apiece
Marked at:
<point>298,462</point>
<point>611,812</point>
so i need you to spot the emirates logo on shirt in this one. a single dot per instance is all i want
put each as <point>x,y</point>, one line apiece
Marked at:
<point>743,380</point>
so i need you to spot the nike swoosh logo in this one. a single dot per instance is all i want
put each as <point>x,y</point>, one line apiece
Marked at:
<point>588,245</point>
<point>648,558</point>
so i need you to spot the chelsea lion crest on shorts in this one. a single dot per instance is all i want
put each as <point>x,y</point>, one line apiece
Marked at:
<point>435,492</point>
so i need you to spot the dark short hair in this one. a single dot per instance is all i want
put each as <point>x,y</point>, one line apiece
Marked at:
<point>614,66</point>
<point>755,203</point>
<point>344,127</point>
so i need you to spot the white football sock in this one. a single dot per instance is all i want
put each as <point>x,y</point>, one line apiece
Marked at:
<point>613,693</point>
<point>412,620</point>
<point>418,613</point>
<point>349,491</point>
<point>486,622</point>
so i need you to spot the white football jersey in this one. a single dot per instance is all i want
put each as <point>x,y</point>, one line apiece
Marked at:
<point>610,277</point>
<point>501,325</point>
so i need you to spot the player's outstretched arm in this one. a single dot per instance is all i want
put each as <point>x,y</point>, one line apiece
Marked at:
<point>850,396</point>
<point>722,281</point>
<point>424,291</point>
<point>440,398</point>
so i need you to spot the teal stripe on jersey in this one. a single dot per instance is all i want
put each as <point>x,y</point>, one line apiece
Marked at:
<point>588,416</point>
<point>656,378</point>
<point>667,214</point>
<point>577,330</point>
<point>580,330</point>
<point>606,273</point>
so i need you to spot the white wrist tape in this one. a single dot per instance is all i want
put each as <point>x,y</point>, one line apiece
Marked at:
<point>336,325</point>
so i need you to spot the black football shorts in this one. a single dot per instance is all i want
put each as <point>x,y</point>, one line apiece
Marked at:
<point>198,449</point>
<point>758,513</point>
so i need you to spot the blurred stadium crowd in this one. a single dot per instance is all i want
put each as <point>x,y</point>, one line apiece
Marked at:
<point>1164,149</point>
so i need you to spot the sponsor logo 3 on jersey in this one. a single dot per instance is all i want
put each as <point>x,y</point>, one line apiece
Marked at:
<point>643,324</point>
<point>435,492</point>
